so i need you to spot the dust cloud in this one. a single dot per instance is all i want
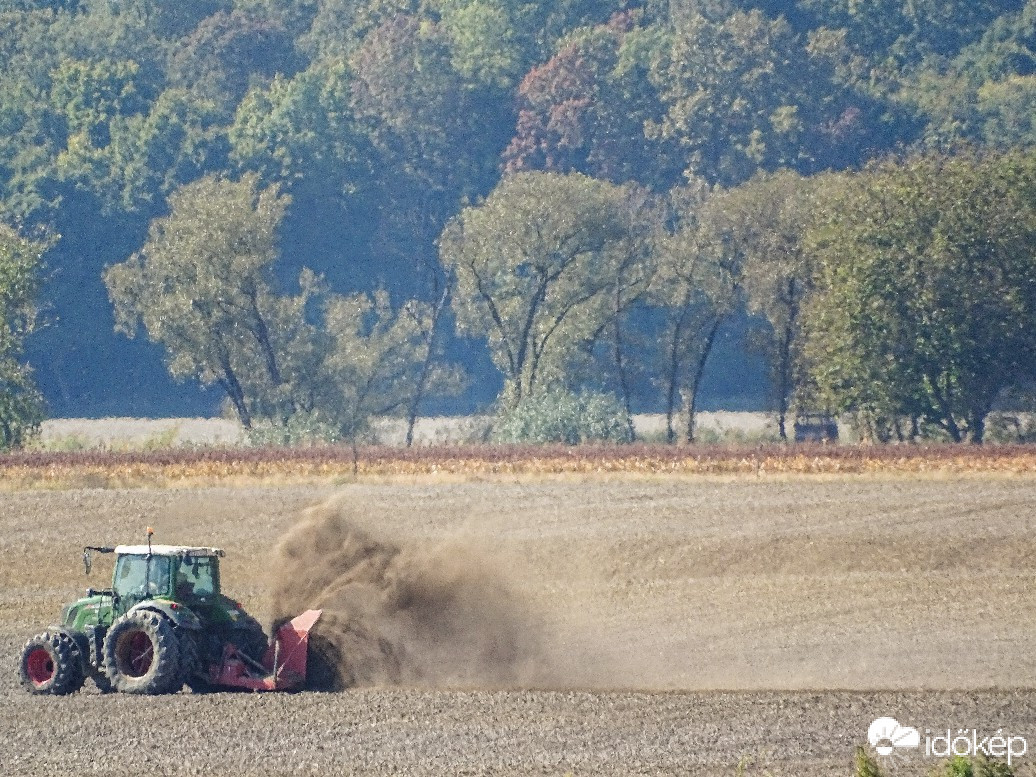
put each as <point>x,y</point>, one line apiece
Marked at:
<point>426,615</point>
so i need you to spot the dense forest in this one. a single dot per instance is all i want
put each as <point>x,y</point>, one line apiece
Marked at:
<point>495,200</point>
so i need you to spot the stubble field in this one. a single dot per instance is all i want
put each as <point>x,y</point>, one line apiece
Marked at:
<point>683,625</point>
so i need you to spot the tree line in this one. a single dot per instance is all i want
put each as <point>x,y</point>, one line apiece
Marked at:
<point>903,294</point>
<point>381,127</point>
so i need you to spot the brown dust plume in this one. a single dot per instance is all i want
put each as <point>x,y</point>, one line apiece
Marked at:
<point>399,614</point>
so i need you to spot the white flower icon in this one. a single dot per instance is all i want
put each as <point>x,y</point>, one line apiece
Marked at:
<point>885,734</point>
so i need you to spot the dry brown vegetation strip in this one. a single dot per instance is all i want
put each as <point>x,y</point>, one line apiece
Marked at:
<point>168,467</point>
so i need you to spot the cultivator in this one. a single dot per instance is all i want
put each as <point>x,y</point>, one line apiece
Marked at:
<point>283,665</point>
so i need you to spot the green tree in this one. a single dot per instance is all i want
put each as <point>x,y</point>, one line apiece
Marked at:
<point>202,286</point>
<point>910,30</point>
<point>697,287</point>
<point>744,94</point>
<point>532,267</point>
<point>558,415</point>
<point>926,303</point>
<point>485,47</point>
<point>226,52</point>
<point>773,213</point>
<point>378,362</point>
<point>21,406</point>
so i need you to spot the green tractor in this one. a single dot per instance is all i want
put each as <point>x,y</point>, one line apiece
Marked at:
<point>163,624</point>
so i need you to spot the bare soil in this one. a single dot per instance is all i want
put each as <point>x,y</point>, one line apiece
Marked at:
<point>682,626</point>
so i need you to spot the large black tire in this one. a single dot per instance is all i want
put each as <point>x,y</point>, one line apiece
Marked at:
<point>142,655</point>
<point>95,669</point>
<point>248,637</point>
<point>195,672</point>
<point>104,685</point>
<point>51,663</point>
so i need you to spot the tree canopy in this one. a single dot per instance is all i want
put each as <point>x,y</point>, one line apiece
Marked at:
<point>388,124</point>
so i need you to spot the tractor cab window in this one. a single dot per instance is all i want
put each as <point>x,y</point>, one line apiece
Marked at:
<point>198,577</point>
<point>142,576</point>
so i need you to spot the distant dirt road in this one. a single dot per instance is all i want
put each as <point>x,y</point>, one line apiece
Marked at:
<point>686,626</point>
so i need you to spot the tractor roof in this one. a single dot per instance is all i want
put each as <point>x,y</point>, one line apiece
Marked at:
<point>166,550</point>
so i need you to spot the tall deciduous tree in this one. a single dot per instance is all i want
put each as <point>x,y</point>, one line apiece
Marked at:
<point>203,287</point>
<point>773,213</point>
<point>379,361</point>
<point>927,290</point>
<point>698,286</point>
<point>532,271</point>
<point>585,109</point>
<point>21,406</point>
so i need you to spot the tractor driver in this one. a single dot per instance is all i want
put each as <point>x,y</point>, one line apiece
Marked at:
<point>184,585</point>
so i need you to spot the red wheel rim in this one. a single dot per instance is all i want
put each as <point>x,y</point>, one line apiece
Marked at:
<point>39,666</point>
<point>137,653</point>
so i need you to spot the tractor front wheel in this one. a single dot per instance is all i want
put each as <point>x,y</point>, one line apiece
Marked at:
<point>51,663</point>
<point>141,654</point>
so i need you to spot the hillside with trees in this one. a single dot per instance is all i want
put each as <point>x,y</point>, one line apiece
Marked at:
<point>309,212</point>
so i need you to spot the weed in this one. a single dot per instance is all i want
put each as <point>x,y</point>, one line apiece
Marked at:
<point>864,765</point>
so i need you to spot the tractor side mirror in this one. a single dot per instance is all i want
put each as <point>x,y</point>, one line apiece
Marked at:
<point>88,561</point>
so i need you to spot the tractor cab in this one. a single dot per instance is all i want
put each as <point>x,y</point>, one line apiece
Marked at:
<point>186,575</point>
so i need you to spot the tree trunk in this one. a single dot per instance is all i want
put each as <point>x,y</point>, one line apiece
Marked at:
<point>673,374</point>
<point>784,357</point>
<point>670,411</point>
<point>621,367</point>
<point>426,366</point>
<point>784,384</point>
<point>232,386</point>
<point>977,428</point>
<point>692,393</point>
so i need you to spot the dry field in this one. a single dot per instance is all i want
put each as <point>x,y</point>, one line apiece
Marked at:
<point>682,625</point>
<point>128,433</point>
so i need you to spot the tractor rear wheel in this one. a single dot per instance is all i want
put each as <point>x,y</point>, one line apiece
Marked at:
<point>142,654</point>
<point>249,638</point>
<point>51,663</point>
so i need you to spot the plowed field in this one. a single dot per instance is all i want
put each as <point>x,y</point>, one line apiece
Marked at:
<point>683,626</point>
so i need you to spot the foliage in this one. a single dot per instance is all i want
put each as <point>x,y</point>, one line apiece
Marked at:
<point>374,360</point>
<point>909,30</point>
<point>387,119</point>
<point>979,766</point>
<point>697,287</point>
<point>769,217</point>
<point>301,429</point>
<point>586,108</point>
<point>743,94</point>
<point>203,286</point>
<point>864,764</point>
<point>301,128</point>
<point>225,51</point>
<point>532,266</point>
<point>927,303</point>
<point>560,416</point>
<point>21,406</point>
